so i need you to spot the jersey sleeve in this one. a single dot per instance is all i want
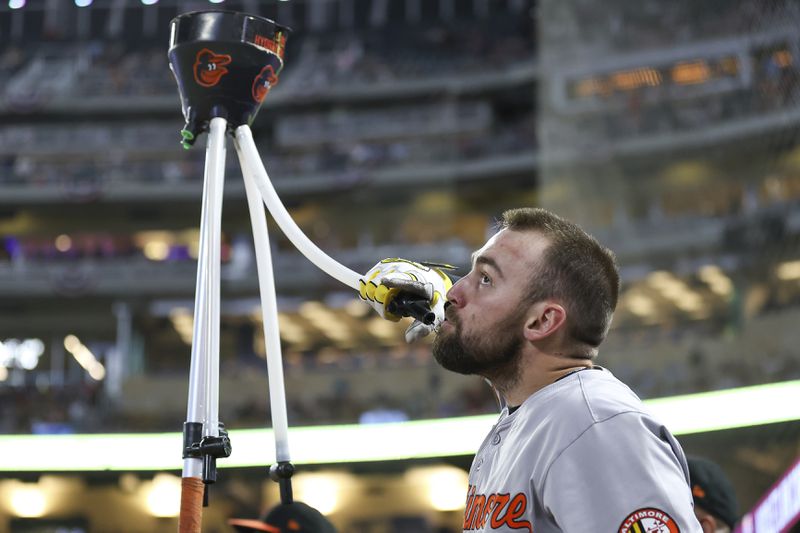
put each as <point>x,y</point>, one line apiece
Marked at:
<point>623,474</point>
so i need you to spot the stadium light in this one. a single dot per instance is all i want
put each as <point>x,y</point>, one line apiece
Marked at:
<point>28,501</point>
<point>85,357</point>
<point>444,486</point>
<point>321,490</point>
<point>164,497</point>
<point>63,243</point>
<point>23,354</point>
<point>16,4</point>
<point>83,3</point>
<point>149,2</point>
<point>788,271</point>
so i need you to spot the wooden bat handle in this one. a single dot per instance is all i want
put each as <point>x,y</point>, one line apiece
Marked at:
<point>191,518</point>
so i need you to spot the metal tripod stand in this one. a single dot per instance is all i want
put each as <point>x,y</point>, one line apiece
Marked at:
<point>225,63</point>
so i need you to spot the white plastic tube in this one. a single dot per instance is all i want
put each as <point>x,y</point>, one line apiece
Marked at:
<point>216,165</point>
<point>248,155</point>
<point>269,310</point>
<point>203,403</point>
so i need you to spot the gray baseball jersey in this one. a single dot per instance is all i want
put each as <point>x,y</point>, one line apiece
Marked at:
<point>580,455</point>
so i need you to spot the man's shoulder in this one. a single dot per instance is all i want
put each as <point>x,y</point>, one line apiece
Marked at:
<point>580,400</point>
<point>566,410</point>
<point>606,396</point>
<point>593,395</point>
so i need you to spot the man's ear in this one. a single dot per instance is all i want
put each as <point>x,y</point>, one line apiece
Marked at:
<point>708,523</point>
<point>544,319</point>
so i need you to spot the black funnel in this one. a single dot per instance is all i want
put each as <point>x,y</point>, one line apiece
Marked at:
<point>225,64</point>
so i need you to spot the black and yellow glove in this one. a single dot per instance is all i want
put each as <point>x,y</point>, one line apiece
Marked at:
<point>394,276</point>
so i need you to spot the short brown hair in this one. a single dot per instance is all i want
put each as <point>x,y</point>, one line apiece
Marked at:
<point>575,269</point>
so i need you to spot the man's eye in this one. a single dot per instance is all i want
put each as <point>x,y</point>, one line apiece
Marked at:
<point>486,280</point>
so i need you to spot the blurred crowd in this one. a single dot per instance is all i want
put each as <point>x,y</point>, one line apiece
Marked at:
<point>53,410</point>
<point>659,361</point>
<point>598,28</point>
<point>315,63</point>
<point>685,358</point>
<point>20,253</point>
<point>85,160</point>
<point>751,208</point>
<point>151,163</point>
<point>412,55</point>
<point>347,149</point>
<point>773,89</point>
<point>84,407</point>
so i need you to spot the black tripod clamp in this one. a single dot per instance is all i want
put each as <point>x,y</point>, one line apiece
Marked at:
<point>282,472</point>
<point>208,448</point>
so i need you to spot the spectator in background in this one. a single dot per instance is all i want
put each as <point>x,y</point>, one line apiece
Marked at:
<point>714,497</point>
<point>295,517</point>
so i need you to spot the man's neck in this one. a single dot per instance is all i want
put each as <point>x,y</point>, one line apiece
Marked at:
<point>537,372</point>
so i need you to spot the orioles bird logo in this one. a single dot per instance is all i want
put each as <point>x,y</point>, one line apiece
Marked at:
<point>210,67</point>
<point>265,80</point>
<point>649,520</point>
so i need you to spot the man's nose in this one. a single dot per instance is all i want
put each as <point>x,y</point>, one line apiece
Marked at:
<point>456,294</point>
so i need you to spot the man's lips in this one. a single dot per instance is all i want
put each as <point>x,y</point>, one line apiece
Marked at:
<point>450,317</point>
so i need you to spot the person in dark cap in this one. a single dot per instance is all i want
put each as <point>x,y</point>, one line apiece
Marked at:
<point>295,517</point>
<point>714,497</point>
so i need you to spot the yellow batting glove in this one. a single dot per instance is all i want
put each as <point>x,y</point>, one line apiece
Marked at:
<point>393,276</point>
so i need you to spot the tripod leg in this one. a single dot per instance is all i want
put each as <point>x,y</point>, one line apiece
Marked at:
<point>282,470</point>
<point>251,164</point>
<point>269,310</point>
<point>216,163</point>
<point>202,416</point>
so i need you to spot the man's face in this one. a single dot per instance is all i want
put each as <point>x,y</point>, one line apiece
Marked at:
<point>482,333</point>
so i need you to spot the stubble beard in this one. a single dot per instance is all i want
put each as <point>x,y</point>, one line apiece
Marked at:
<point>495,355</point>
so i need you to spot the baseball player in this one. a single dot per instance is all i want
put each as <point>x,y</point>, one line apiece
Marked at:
<point>574,449</point>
